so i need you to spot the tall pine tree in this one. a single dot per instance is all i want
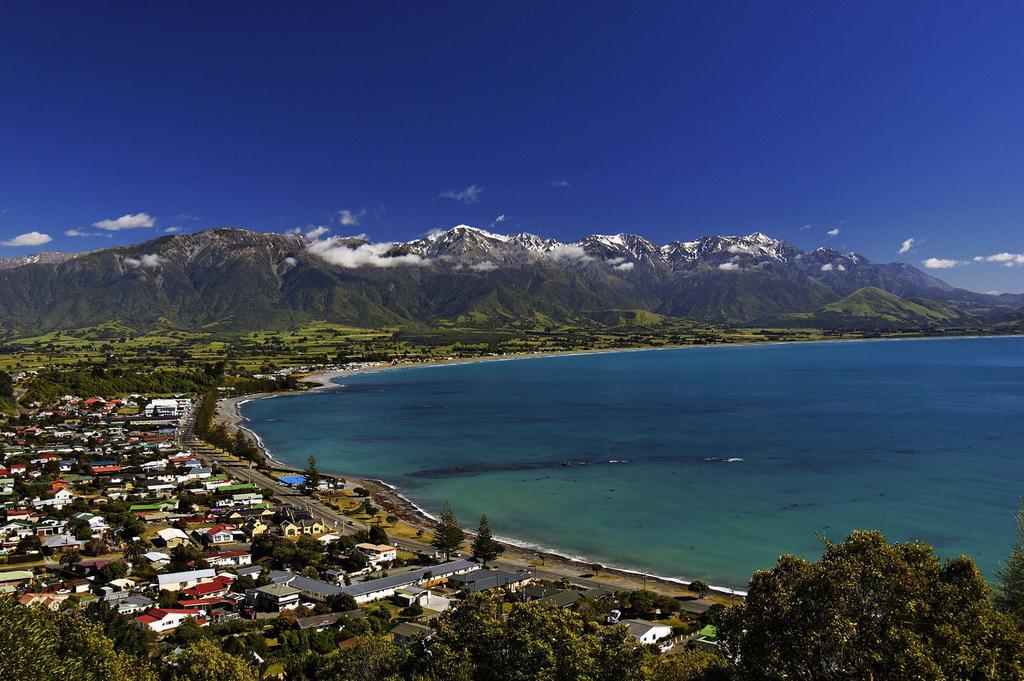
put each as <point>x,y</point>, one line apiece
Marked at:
<point>485,549</point>
<point>448,535</point>
<point>312,474</point>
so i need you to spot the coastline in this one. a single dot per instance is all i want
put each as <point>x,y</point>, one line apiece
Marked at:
<point>391,499</point>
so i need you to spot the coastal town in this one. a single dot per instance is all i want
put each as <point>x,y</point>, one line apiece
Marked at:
<point>115,505</point>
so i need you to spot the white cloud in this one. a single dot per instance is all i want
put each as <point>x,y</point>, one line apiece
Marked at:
<point>485,266</point>
<point>75,232</point>
<point>149,260</point>
<point>1008,259</point>
<point>559,183</point>
<point>625,266</point>
<point>568,252</point>
<point>805,228</point>
<point>335,251</point>
<point>130,221</point>
<point>833,232</point>
<point>28,239</point>
<point>841,267</point>
<point>470,194</point>
<point>350,218</point>
<point>827,267</point>
<point>291,262</point>
<point>172,230</point>
<point>739,248</point>
<point>729,266</point>
<point>906,246</point>
<point>941,263</point>
<point>317,232</point>
<point>294,230</point>
<point>615,261</point>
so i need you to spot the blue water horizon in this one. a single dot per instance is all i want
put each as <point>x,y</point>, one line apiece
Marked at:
<point>703,462</point>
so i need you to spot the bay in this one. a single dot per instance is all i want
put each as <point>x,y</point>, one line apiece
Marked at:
<point>697,462</point>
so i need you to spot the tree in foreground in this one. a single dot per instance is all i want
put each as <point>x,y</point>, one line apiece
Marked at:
<point>533,641</point>
<point>448,536</point>
<point>871,610</point>
<point>693,665</point>
<point>38,644</point>
<point>485,548</point>
<point>203,660</point>
<point>372,658</point>
<point>1010,595</point>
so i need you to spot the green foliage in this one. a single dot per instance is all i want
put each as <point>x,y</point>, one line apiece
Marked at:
<point>448,536</point>
<point>203,660</point>
<point>532,642</point>
<point>115,569</point>
<point>700,587</point>
<point>693,665</point>
<point>312,474</point>
<point>1010,594</point>
<point>485,548</point>
<point>127,638</point>
<point>645,603</point>
<point>372,658</point>
<point>869,609</point>
<point>52,383</point>
<point>873,308</point>
<point>38,644</point>
<point>6,385</point>
<point>297,555</point>
<point>378,535</point>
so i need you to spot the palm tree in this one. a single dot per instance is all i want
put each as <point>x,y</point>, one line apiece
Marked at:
<point>135,550</point>
<point>70,558</point>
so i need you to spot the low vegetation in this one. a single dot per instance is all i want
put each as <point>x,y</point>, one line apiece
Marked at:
<point>866,610</point>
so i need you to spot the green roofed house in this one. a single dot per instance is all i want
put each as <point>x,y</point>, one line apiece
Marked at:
<point>162,505</point>
<point>13,578</point>
<point>237,487</point>
<point>707,638</point>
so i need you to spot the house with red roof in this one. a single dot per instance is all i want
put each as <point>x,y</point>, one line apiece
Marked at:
<point>168,619</point>
<point>58,485</point>
<point>235,558</point>
<point>204,604</point>
<point>214,589</point>
<point>220,534</point>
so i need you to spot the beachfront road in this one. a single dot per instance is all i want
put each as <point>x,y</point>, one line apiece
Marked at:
<point>341,524</point>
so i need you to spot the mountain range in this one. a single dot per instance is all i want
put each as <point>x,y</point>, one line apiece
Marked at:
<point>233,280</point>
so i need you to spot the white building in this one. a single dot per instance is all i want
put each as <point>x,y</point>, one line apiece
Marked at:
<point>378,553</point>
<point>176,581</point>
<point>643,631</point>
<point>165,619</point>
<point>173,407</point>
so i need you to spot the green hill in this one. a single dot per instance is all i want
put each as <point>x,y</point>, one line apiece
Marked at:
<point>873,308</point>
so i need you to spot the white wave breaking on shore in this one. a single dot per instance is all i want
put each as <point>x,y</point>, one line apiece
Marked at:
<point>540,548</point>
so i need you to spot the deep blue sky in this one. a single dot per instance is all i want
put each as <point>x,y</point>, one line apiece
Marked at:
<point>669,119</point>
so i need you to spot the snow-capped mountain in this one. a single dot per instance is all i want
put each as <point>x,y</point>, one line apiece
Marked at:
<point>35,259</point>
<point>240,279</point>
<point>477,245</point>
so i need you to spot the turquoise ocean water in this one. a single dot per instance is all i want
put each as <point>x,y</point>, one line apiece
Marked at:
<point>697,462</point>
